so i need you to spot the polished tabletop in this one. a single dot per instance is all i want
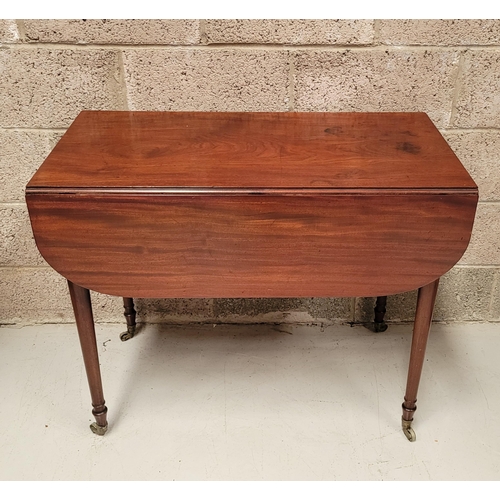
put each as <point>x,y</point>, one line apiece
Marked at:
<point>229,150</point>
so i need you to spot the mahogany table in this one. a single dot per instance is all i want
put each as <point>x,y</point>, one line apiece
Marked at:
<point>201,204</point>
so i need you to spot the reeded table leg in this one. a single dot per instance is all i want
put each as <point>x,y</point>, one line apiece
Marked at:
<point>379,323</point>
<point>80,297</point>
<point>423,318</point>
<point>128,304</point>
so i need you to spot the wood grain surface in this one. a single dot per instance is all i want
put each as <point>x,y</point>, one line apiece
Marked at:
<point>252,150</point>
<point>202,204</point>
<point>252,245</point>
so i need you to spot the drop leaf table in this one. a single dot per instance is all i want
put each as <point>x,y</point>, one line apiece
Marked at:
<point>236,204</point>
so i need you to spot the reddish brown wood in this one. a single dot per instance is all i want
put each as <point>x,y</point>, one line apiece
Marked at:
<point>421,328</point>
<point>252,246</point>
<point>201,204</point>
<point>82,306</point>
<point>252,150</point>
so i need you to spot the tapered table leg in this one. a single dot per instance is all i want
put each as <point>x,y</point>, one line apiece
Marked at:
<point>379,324</point>
<point>80,298</point>
<point>423,318</point>
<point>128,304</point>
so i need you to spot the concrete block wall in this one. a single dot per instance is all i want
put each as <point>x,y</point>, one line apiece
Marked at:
<point>52,69</point>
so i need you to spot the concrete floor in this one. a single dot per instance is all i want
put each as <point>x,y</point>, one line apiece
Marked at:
<point>256,402</point>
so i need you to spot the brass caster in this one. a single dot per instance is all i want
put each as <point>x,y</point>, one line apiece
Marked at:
<point>100,430</point>
<point>380,327</point>
<point>408,431</point>
<point>128,334</point>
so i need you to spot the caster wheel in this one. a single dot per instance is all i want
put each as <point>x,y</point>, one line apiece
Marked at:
<point>125,336</point>
<point>408,431</point>
<point>128,334</point>
<point>410,434</point>
<point>100,430</point>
